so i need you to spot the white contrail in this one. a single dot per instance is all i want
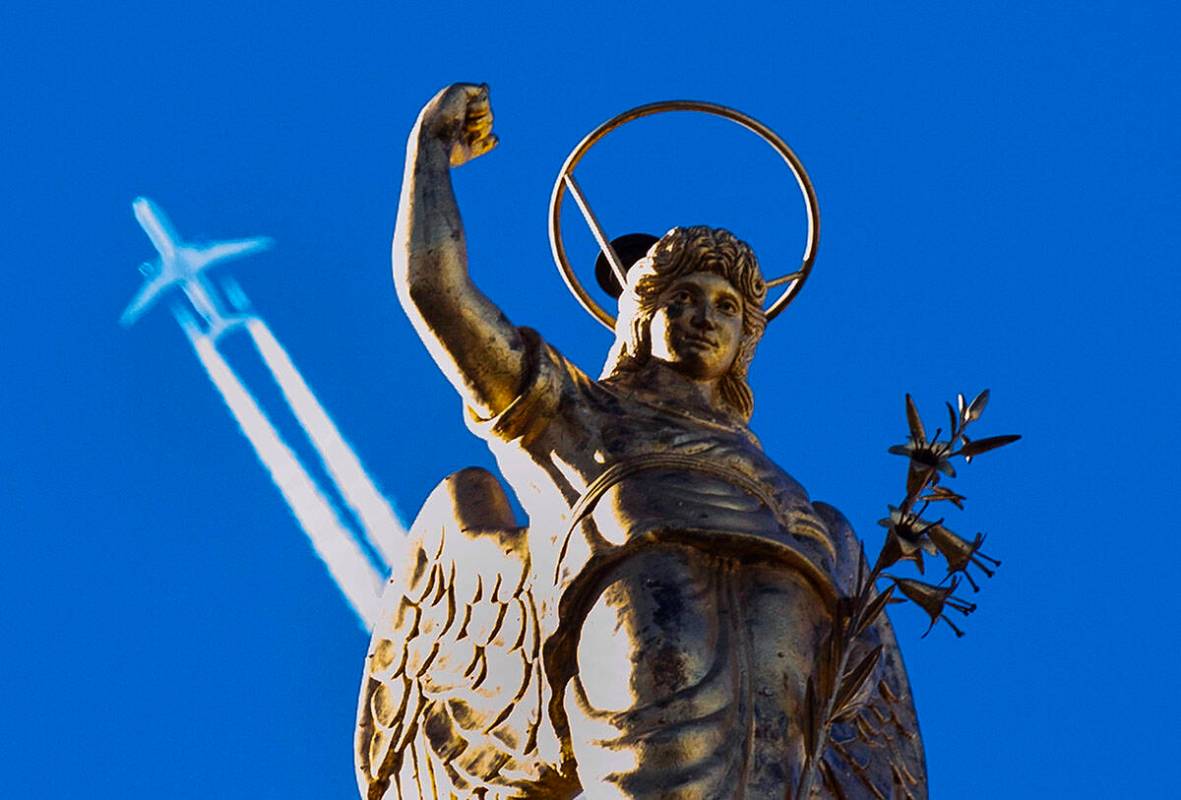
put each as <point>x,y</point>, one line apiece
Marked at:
<point>381,526</point>
<point>331,540</point>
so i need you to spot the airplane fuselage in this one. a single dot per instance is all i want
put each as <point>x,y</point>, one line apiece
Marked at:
<point>183,264</point>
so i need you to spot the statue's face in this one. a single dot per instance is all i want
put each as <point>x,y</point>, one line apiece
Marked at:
<point>697,326</point>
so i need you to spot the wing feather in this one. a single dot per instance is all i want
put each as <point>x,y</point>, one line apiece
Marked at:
<point>451,697</point>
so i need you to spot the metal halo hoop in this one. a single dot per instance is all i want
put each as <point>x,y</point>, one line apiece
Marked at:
<point>794,280</point>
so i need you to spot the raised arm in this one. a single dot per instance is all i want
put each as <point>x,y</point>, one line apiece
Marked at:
<point>475,346</point>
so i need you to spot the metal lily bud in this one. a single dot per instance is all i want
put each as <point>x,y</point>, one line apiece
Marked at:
<point>934,599</point>
<point>927,457</point>
<point>897,549</point>
<point>905,538</point>
<point>960,553</point>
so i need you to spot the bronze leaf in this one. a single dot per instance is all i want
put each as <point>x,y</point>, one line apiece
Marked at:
<point>811,723</point>
<point>855,679</point>
<point>975,448</point>
<point>917,433</point>
<point>977,407</point>
<point>873,610</point>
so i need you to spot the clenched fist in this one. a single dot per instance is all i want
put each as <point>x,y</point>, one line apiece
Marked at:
<point>460,116</point>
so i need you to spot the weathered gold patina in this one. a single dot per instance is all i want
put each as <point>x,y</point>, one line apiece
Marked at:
<point>656,629</point>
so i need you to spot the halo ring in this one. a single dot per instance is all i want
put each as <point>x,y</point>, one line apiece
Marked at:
<point>794,280</point>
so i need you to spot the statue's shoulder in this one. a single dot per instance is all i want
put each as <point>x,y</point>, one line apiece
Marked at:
<point>844,540</point>
<point>548,381</point>
<point>833,518</point>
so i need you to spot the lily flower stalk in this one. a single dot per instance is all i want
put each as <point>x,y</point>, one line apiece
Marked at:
<point>908,534</point>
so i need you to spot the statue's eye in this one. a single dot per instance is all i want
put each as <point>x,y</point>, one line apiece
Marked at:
<point>727,306</point>
<point>681,297</point>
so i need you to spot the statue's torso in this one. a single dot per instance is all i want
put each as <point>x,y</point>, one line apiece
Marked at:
<point>685,580</point>
<point>667,469</point>
<point>665,530</point>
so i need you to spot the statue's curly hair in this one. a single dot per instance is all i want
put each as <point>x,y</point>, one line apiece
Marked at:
<point>680,252</point>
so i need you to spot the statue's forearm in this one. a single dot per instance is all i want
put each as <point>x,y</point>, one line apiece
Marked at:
<point>476,347</point>
<point>429,226</point>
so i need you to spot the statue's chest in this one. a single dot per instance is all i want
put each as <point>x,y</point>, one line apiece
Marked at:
<point>667,470</point>
<point>618,428</point>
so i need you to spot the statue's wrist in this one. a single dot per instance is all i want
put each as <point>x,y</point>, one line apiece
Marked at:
<point>429,144</point>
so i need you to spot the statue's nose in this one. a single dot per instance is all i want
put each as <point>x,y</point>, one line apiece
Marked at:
<point>703,316</point>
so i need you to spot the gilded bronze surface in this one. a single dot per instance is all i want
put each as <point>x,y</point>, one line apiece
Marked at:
<point>678,619</point>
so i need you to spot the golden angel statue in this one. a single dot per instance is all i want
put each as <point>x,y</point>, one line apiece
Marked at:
<point>653,631</point>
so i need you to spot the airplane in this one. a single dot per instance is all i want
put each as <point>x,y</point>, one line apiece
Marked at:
<point>183,263</point>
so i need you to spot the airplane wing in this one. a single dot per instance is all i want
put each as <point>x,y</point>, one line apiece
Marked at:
<point>203,256</point>
<point>144,298</point>
<point>181,262</point>
<point>156,226</point>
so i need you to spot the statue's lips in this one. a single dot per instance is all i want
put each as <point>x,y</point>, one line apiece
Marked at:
<point>700,341</point>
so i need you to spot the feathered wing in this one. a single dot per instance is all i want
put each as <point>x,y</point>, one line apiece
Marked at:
<point>450,701</point>
<point>876,750</point>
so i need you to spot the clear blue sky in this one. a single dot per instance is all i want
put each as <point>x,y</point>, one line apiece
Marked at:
<point>998,185</point>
